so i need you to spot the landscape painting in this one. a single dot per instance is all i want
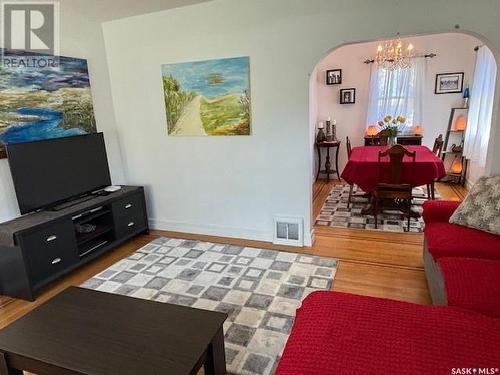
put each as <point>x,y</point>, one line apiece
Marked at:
<point>43,103</point>
<point>208,98</point>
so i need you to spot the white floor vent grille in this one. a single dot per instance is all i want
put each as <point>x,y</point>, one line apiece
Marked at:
<point>288,230</point>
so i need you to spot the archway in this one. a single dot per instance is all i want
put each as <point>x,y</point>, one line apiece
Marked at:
<point>455,53</point>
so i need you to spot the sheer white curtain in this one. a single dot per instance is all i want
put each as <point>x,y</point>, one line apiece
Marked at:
<point>397,92</point>
<point>481,107</point>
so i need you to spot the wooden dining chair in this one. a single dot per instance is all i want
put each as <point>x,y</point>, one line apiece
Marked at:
<point>351,186</point>
<point>437,149</point>
<point>393,189</point>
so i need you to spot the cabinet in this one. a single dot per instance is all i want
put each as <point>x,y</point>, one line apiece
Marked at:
<point>47,245</point>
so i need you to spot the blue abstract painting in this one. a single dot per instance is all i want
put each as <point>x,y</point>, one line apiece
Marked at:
<point>210,97</point>
<point>43,103</point>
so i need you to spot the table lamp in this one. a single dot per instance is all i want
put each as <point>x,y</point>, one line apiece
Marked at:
<point>460,123</point>
<point>371,131</point>
<point>418,130</point>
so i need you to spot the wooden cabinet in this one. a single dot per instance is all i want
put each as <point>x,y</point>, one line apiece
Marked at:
<point>49,244</point>
<point>415,140</point>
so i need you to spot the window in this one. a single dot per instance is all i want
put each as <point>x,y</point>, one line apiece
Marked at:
<point>397,92</point>
<point>481,107</point>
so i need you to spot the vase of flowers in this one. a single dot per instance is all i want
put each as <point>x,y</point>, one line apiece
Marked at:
<point>390,127</point>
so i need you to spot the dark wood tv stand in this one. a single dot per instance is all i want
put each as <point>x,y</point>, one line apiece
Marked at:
<point>38,248</point>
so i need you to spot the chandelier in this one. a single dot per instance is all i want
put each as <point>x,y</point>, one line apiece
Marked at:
<point>394,55</point>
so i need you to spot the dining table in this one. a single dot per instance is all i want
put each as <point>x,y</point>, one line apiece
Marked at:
<point>363,167</point>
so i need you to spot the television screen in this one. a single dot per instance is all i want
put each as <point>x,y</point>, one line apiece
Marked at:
<point>52,171</point>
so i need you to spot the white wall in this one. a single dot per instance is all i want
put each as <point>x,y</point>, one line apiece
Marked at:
<point>233,186</point>
<point>455,53</point>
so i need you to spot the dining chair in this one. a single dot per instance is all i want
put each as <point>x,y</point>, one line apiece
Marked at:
<point>351,186</point>
<point>437,149</point>
<point>393,189</point>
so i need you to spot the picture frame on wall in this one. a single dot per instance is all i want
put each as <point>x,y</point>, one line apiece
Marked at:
<point>334,77</point>
<point>449,83</point>
<point>348,96</point>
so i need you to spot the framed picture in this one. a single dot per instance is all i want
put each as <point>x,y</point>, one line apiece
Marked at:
<point>39,102</point>
<point>334,77</point>
<point>347,96</point>
<point>208,97</point>
<point>449,83</point>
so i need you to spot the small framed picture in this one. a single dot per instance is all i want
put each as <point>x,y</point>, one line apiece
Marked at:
<point>449,83</point>
<point>334,77</point>
<point>347,96</point>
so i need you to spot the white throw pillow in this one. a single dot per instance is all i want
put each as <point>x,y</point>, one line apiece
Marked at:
<point>481,208</point>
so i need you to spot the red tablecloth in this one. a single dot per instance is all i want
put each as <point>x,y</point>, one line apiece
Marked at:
<point>362,168</point>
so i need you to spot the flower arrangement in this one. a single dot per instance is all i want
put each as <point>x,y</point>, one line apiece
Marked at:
<point>390,124</point>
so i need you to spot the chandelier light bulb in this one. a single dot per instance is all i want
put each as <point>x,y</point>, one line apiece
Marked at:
<point>393,54</point>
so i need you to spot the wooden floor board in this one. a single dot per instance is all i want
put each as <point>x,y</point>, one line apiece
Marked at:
<point>373,263</point>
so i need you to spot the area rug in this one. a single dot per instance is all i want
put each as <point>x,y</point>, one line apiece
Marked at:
<point>259,289</point>
<point>335,212</point>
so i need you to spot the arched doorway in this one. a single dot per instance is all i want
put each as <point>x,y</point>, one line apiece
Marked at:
<point>455,53</point>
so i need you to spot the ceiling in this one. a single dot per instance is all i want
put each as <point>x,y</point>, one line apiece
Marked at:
<point>107,10</point>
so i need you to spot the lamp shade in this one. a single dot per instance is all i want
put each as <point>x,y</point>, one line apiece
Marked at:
<point>371,130</point>
<point>461,123</point>
<point>456,166</point>
<point>418,130</point>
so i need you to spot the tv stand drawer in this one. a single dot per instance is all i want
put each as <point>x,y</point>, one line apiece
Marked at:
<point>49,250</point>
<point>129,215</point>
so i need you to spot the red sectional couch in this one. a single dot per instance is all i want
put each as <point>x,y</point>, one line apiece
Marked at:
<point>344,334</point>
<point>450,240</point>
<point>460,263</point>
<point>339,333</point>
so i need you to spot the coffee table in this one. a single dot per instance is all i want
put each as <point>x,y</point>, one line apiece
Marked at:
<point>82,331</point>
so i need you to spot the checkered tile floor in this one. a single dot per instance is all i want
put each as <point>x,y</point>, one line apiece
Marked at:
<point>259,290</point>
<point>335,212</point>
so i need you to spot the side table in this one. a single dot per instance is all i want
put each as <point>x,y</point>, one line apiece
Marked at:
<point>328,171</point>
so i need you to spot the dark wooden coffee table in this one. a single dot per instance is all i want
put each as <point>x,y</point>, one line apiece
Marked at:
<point>82,331</point>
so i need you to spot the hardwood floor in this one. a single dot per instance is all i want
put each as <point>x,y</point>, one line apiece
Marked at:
<point>376,263</point>
<point>371,263</point>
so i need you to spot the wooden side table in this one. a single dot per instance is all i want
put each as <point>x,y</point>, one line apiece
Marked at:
<point>328,171</point>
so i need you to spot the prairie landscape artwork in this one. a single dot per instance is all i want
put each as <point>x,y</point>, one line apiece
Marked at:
<point>42,103</point>
<point>207,98</point>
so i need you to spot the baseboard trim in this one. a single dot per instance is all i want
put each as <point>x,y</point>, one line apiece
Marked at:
<point>211,230</point>
<point>309,238</point>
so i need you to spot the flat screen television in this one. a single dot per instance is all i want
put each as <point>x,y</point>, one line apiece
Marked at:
<point>50,172</point>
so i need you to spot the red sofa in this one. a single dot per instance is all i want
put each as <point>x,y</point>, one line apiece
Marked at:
<point>338,333</point>
<point>462,265</point>
<point>345,334</point>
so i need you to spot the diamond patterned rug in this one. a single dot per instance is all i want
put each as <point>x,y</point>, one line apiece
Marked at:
<point>259,290</point>
<point>335,212</point>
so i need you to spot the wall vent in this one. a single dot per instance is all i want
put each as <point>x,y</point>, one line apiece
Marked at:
<point>288,230</point>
